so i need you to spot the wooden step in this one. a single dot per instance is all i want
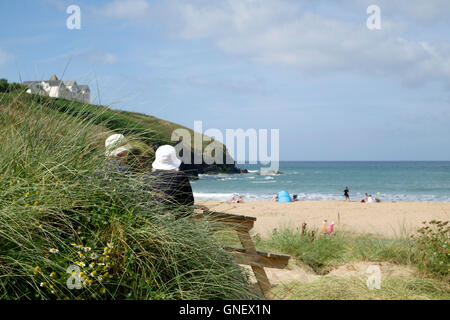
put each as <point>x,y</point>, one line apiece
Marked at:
<point>261,258</point>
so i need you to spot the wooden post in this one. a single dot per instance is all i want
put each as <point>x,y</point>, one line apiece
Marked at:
<point>260,273</point>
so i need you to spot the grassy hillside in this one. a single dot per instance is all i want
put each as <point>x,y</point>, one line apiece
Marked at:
<point>149,132</point>
<point>70,229</point>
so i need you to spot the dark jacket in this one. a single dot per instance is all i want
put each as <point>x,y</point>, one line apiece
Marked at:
<point>171,188</point>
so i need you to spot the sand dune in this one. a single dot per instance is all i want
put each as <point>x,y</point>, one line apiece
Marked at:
<point>387,219</point>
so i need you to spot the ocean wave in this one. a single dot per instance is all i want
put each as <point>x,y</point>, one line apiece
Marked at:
<point>212,196</point>
<point>318,196</point>
<point>227,196</point>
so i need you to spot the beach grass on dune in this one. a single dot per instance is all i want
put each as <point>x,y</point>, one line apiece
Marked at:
<point>60,210</point>
<point>325,251</point>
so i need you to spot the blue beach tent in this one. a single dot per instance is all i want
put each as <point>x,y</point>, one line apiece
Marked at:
<point>283,196</point>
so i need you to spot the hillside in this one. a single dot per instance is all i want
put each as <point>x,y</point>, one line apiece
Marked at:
<point>147,133</point>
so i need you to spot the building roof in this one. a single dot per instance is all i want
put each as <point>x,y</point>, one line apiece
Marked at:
<point>55,82</point>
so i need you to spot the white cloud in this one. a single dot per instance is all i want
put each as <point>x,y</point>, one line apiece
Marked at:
<point>309,37</point>
<point>281,33</point>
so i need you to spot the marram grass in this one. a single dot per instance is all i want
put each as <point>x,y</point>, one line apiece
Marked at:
<point>61,213</point>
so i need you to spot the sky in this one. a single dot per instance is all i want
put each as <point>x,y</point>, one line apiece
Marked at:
<point>334,88</point>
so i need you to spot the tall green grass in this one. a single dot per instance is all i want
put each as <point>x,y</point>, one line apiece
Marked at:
<point>325,252</point>
<point>60,209</point>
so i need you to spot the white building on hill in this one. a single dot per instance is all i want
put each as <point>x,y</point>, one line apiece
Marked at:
<point>56,88</point>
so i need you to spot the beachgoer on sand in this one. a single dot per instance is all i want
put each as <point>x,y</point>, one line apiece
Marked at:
<point>232,200</point>
<point>168,185</point>
<point>346,191</point>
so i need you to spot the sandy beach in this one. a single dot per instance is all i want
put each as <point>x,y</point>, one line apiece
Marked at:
<point>386,219</point>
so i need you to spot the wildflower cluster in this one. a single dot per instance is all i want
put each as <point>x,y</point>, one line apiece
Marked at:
<point>95,268</point>
<point>434,252</point>
<point>91,273</point>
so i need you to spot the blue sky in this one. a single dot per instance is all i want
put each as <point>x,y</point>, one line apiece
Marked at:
<point>312,69</point>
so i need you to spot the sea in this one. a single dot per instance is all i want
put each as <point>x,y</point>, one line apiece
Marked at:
<point>323,180</point>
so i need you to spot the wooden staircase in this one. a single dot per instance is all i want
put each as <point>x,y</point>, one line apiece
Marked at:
<point>247,255</point>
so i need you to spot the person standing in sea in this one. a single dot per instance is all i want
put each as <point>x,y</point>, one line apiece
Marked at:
<point>347,197</point>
